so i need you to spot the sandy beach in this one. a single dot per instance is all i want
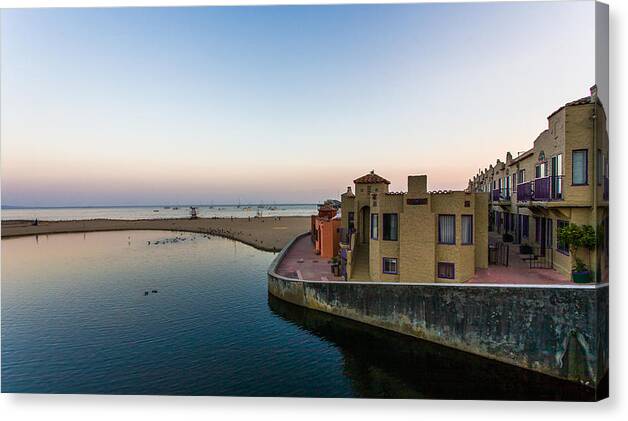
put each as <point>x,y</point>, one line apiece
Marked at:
<point>268,233</point>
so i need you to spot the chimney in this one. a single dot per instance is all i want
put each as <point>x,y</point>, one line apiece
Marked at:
<point>593,91</point>
<point>417,184</point>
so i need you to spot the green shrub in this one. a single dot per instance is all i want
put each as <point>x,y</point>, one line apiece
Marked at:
<point>576,237</point>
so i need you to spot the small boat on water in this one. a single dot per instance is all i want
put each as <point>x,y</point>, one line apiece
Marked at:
<point>155,210</point>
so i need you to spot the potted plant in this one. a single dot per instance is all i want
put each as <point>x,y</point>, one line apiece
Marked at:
<point>507,237</point>
<point>335,265</point>
<point>525,249</point>
<point>576,237</point>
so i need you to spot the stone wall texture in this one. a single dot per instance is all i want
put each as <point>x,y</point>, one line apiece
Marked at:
<point>560,331</point>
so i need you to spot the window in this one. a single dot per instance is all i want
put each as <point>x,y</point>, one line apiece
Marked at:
<point>557,164</point>
<point>467,229</point>
<point>540,170</point>
<point>446,270</point>
<point>374,225</point>
<point>522,176</point>
<point>447,229</point>
<point>390,266</point>
<point>561,246</point>
<point>351,220</point>
<point>391,226</point>
<point>368,189</point>
<point>600,167</point>
<point>579,167</point>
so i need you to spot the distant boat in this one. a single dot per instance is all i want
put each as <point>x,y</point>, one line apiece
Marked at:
<point>155,210</point>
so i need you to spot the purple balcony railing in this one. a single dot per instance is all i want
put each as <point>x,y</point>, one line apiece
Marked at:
<point>605,188</point>
<point>525,192</point>
<point>548,188</point>
<point>542,189</point>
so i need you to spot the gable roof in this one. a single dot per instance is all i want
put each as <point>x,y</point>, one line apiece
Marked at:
<point>582,101</point>
<point>371,178</point>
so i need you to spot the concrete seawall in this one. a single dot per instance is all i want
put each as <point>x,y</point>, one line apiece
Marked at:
<point>560,330</point>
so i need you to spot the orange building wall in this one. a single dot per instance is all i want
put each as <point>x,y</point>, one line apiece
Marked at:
<point>329,238</point>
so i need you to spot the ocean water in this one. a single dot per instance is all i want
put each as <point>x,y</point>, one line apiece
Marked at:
<point>137,312</point>
<point>155,212</point>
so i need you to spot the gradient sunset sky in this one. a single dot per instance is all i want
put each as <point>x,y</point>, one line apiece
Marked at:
<point>276,104</point>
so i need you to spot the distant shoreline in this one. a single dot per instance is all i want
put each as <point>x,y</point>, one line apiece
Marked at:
<point>265,233</point>
<point>230,205</point>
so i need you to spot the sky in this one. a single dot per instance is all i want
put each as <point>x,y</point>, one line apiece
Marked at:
<point>284,104</point>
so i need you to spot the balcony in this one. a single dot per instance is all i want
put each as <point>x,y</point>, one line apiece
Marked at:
<point>525,192</point>
<point>501,195</point>
<point>542,189</point>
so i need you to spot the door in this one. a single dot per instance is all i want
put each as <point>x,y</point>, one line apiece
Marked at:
<point>556,179</point>
<point>365,215</point>
<point>518,228</point>
<point>543,241</point>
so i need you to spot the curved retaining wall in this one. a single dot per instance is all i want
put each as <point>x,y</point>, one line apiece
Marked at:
<point>557,330</point>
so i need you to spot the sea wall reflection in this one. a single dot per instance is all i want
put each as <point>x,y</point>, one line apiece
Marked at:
<point>382,364</point>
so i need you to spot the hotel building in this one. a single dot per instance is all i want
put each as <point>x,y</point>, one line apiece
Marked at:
<point>562,179</point>
<point>418,236</point>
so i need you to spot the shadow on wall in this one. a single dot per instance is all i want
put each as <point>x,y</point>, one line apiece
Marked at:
<point>383,364</point>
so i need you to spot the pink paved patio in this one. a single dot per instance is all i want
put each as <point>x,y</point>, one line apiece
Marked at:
<point>517,272</point>
<point>301,262</point>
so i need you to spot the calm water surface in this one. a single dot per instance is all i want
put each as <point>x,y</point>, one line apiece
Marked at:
<point>155,212</point>
<point>76,319</point>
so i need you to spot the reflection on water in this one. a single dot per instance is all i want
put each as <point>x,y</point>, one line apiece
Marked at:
<point>382,364</point>
<point>76,319</point>
<point>150,312</point>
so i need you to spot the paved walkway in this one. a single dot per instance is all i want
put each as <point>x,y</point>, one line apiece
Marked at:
<point>517,272</point>
<point>300,262</point>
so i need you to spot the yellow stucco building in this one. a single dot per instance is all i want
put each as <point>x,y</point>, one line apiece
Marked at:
<point>562,179</point>
<point>415,236</point>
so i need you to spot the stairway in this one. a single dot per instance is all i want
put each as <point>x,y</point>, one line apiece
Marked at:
<point>361,263</point>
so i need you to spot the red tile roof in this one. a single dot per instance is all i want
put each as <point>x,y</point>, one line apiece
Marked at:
<point>582,101</point>
<point>371,178</point>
